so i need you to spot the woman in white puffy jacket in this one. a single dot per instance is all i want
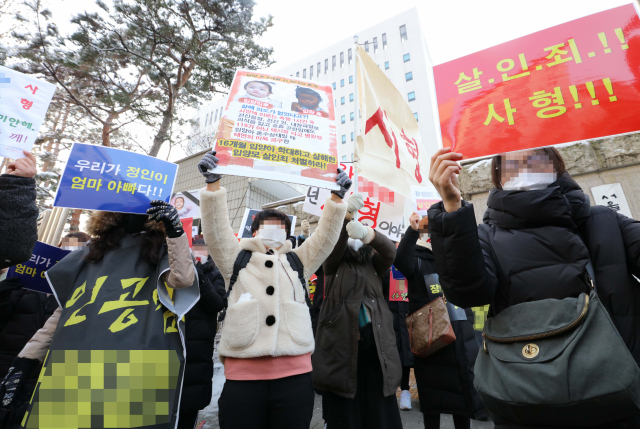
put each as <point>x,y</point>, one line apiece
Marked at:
<point>267,339</point>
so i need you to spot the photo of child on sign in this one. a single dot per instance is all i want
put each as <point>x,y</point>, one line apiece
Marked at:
<point>278,128</point>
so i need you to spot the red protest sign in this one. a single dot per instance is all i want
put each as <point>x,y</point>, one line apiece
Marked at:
<point>576,81</point>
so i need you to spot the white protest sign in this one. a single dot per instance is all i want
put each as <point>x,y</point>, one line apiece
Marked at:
<point>278,128</point>
<point>611,196</point>
<point>187,203</point>
<point>383,209</point>
<point>24,101</point>
<point>423,197</point>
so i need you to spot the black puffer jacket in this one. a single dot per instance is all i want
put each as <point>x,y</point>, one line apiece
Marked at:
<point>200,332</point>
<point>18,219</point>
<point>531,247</point>
<point>22,313</point>
<point>444,379</point>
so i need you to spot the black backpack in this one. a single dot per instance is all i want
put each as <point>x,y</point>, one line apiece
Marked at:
<point>243,260</point>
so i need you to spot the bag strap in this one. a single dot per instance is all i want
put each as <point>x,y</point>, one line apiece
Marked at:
<point>241,261</point>
<point>297,266</point>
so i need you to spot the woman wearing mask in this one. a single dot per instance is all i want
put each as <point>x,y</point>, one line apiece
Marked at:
<point>538,235</point>
<point>444,379</point>
<point>267,339</point>
<point>356,364</point>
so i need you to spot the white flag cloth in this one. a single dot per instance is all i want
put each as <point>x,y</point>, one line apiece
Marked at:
<point>388,149</point>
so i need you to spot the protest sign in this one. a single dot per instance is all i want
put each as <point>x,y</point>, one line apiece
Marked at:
<point>383,209</point>
<point>31,272</point>
<point>116,180</point>
<point>278,128</point>
<point>611,196</point>
<point>571,82</point>
<point>423,197</point>
<point>247,220</point>
<point>398,290</point>
<point>24,101</point>
<point>187,203</point>
<point>187,226</point>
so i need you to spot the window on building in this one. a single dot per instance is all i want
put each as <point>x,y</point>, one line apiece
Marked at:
<point>319,68</point>
<point>403,32</point>
<point>341,83</point>
<point>384,40</point>
<point>344,138</point>
<point>349,55</point>
<point>333,63</point>
<point>304,73</point>
<point>343,119</point>
<point>415,115</point>
<point>351,97</point>
<point>206,119</point>
<point>386,65</point>
<point>350,79</point>
<point>366,46</point>
<point>341,59</point>
<point>352,157</point>
<point>408,76</point>
<point>352,140</point>
<point>297,74</point>
<point>406,58</point>
<point>335,102</point>
<point>334,85</point>
<point>344,157</point>
<point>351,116</point>
<point>326,66</point>
<point>341,100</point>
<point>310,72</point>
<point>216,118</point>
<point>411,96</point>
<point>375,44</point>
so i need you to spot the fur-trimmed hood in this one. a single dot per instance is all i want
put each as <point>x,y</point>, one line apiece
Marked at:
<point>100,222</point>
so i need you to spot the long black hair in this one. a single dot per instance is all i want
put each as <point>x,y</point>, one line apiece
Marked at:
<point>361,256</point>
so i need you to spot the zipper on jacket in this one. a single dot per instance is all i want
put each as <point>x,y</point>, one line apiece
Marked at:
<point>558,331</point>
<point>293,286</point>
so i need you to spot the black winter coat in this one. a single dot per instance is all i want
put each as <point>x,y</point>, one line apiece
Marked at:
<point>530,247</point>
<point>22,313</point>
<point>444,379</point>
<point>18,219</point>
<point>400,311</point>
<point>200,332</point>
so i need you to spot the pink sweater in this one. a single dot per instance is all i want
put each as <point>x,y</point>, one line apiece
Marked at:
<point>266,367</point>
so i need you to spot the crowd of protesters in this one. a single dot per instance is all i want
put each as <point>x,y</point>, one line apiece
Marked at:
<point>540,240</point>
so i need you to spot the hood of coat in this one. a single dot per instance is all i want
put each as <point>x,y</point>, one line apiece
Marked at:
<point>255,244</point>
<point>561,204</point>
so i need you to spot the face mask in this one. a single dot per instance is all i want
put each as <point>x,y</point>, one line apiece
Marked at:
<point>272,237</point>
<point>528,181</point>
<point>354,244</point>
<point>72,248</point>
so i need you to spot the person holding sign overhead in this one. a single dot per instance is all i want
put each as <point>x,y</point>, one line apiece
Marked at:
<point>445,378</point>
<point>267,339</point>
<point>541,243</point>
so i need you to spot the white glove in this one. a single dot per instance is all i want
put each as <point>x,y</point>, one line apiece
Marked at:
<point>306,228</point>
<point>355,203</point>
<point>357,231</point>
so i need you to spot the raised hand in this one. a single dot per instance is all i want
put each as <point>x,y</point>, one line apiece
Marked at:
<point>414,220</point>
<point>208,162</point>
<point>23,167</point>
<point>343,180</point>
<point>443,174</point>
<point>357,231</point>
<point>164,212</point>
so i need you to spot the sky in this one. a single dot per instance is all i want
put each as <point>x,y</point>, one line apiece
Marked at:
<point>452,28</point>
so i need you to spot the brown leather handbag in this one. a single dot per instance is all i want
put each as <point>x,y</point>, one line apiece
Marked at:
<point>430,328</point>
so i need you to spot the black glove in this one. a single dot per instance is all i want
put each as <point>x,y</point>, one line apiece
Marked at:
<point>13,383</point>
<point>165,212</point>
<point>293,239</point>
<point>345,183</point>
<point>208,162</point>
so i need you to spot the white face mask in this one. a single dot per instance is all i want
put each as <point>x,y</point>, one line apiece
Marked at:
<point>72,248</point>
<point>354,244</point>
<point>272,235</point>
<point>528,181</point>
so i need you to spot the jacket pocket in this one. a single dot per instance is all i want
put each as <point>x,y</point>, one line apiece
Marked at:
<point>298,322</point>
<point>241,325</point>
